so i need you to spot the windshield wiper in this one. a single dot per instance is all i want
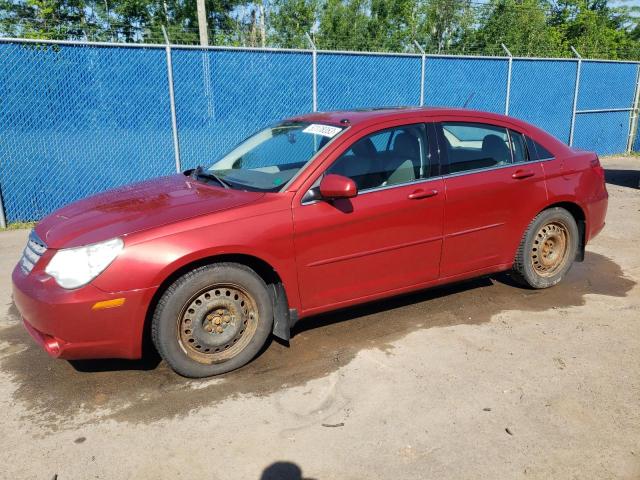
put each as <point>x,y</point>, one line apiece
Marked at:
<point>199,172</point>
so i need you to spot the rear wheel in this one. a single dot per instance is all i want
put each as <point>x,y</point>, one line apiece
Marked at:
<point>547,250</point>
<point>212,320</point>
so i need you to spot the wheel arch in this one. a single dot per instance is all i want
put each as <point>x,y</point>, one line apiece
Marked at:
<point>262,268</point>
<point>578,213</point>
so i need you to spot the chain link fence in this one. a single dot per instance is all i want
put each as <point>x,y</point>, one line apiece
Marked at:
<point>79,118</point>
<point>224,95</point>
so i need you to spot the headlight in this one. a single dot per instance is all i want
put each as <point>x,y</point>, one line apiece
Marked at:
<point>75,267</point>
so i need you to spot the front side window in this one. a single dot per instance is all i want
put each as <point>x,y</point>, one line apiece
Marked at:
<point>267,160</point>
<point>472,146</point>
<point>390,157</point>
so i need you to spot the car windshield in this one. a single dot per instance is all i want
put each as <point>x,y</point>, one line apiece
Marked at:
<point>267,160</point>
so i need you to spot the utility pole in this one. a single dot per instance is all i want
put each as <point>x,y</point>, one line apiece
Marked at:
<point>202,23</point>
<point>263,33</point>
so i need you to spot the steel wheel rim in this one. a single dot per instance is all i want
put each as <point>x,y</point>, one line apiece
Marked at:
<point>217,323</point>
<point>549,249</point>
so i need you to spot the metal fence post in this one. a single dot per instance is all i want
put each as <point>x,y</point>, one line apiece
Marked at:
<point>172,102</point>
<point>314,73</point>
<point>633,116</point>
<point>422,66</point>
<point>575,96</point>
<point>507,100</point>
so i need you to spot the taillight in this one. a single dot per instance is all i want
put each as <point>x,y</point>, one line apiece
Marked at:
<point>595,165</point>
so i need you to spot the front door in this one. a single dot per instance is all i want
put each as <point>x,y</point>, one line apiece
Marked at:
<point>387,237</point>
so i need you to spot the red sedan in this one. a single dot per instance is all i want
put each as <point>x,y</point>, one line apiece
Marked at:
<point>311,214</point>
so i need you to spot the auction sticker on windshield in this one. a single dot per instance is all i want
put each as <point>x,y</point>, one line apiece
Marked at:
<point>324,130</point>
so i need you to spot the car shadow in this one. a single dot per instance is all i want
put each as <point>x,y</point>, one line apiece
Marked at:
<point>623,178</point>
<point>150,359</point>
<point>146,390</point>
<point>392,303</point>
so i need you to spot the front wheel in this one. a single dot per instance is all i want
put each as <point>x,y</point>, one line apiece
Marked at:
<point>547,250</point>
<point>212,320</point>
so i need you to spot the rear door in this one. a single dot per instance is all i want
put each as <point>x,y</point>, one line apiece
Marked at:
<point>491,183</point>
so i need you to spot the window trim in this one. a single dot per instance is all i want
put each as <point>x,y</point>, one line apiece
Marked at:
<point>513,150</point>
<point>481,170</point>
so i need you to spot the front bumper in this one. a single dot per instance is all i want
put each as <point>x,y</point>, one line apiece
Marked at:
<point>67,325</point>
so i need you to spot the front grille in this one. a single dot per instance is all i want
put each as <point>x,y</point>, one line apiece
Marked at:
<point>32,252</point>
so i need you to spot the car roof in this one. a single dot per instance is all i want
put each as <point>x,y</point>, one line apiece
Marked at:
<point>372,116</point>
<point>375,115</point>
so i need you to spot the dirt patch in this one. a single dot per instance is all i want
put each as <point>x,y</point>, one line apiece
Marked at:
<point>57,393</point>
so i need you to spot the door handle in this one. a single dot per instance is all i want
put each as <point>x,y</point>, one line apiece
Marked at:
<point>520,174</point>
<point>418,194</point>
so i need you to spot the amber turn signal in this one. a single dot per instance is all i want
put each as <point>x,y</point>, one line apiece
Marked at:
<point>116,302</point>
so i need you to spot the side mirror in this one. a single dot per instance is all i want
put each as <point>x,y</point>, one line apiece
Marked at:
<point>334,186</point>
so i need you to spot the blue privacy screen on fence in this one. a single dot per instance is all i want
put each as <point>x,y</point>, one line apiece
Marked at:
<point>79,118</point>
<point>361,81</point>
<point>604,132</point>
<point>606,85</point>
<point>480,84</point>
<point>223,96</point>
<point>542,93</point>
<point>75,121</point>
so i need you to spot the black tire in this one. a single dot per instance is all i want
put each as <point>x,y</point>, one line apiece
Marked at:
<point>212,320</point>
<point>543,258</point>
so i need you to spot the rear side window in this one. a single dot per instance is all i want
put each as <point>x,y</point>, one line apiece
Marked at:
<point>543,153</point>
<point>537,151</point>
<point>473,146</point>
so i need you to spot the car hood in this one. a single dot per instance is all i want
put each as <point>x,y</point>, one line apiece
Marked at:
<point>136,207</point>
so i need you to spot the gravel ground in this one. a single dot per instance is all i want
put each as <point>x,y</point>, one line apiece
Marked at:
<point>477,380</point>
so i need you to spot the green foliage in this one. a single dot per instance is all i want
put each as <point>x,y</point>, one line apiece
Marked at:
<point>527,27</point>
<point>290,20</point>
<point>594,28</point>
<point>447,24</point>
<point>519,24</point>
<point>344,25</point>
<point>19,226</point>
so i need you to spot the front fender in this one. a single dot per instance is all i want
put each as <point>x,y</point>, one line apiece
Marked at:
<point>148,262</point>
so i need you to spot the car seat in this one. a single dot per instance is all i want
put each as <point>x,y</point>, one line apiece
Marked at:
<point>405,162</point>
<point>495,148</point>
<point>363,166</point>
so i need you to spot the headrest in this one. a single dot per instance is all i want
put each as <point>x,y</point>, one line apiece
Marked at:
<point>406,145</point>
<point>364,148</point>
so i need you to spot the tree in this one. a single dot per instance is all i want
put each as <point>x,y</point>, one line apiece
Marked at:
<point>394,25</point>
<point>381,25</point>
<point>594,28</point>
<point>527,27</point>
<point>51,19</point>
<point>290,20</point>
<point>446,24</point>
<point>344,25</point>
<point>521,25</point>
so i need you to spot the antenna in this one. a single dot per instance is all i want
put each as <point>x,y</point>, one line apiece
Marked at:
<point>469,100</point>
